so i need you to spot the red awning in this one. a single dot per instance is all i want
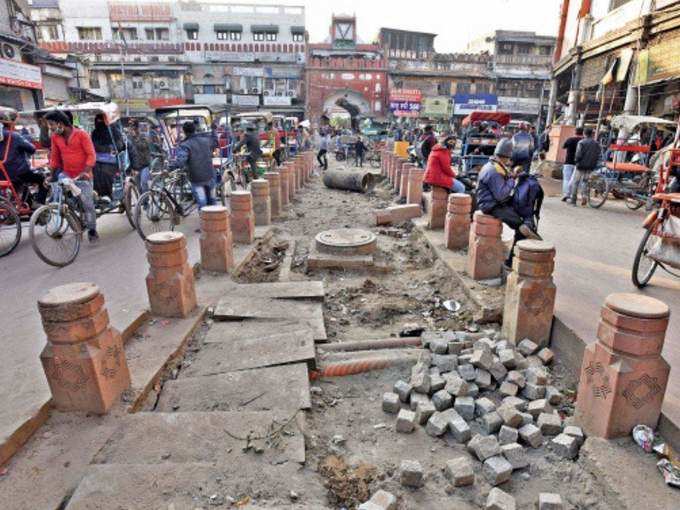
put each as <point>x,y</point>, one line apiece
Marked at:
<point>501,118</point>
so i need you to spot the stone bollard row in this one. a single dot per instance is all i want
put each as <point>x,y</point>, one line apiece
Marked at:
<point>414,194</point>
<point>530,294</point>
<point>458,219</point>
<point>259,188</point>
<point>401,162</point>
<point>216,242</point>
<point>391,169</point>
<point>405,176</point>
<point>284,185</point>
<point>242,217</point>
<point>436,215</point>
<point>274,179</point>
<point>170,282</point>
<point>485,247</point>
<point>292,180</point>
<point>623,375</point>
<point>84,359</point>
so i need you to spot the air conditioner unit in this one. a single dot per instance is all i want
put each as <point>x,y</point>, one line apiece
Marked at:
<point>255,91</point>
<point>242,91</point>
<point>266,93</point>
<point>163,85</point>
<point>8,51</point>
<point>290,93</point>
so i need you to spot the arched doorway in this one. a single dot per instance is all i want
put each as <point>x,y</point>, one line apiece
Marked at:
<point>355,104</point>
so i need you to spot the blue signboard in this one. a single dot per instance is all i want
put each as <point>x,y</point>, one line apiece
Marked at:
<point>467,103</point>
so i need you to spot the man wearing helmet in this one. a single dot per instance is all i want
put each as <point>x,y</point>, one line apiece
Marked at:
<point>495,188</point>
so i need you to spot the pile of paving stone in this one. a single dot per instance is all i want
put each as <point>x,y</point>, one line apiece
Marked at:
<point>492,395</point>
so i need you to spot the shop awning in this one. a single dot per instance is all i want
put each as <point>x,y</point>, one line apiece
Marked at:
<point>228,27</point>
<point>297,30</point>
<point>264,28</point>
<point>190,26</point>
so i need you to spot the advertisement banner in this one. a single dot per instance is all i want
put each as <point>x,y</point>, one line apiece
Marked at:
<point>248,71</point>
<point>159,102</point>
<point>277,100</point>
<point>405,102</point>
<point>243,100</point>
<point>463,104</point>
<point>18,74</point>
<point>436,107</point>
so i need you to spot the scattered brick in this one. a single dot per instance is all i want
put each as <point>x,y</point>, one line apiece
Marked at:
<point>445,362</point>
<point>507,357</point>
<point>482,358</point>
<point>467,371</point>
<point>459,429</point>
<point>508,389</point>
<point>459,471</point>
<point>403,389</point>
<point>411,473</point>
<point>455,385</point>
<point>421,382</point>
<point>484,447</point>
<point>507,435</point>
<point>515,455</point>
<point>483,378</point>
<point>436,425</point>
<point>546,356</point>
<point>516,377</point>
<point>510,416</point>
<point>498,371</point>
<point>424,410</point>
<point>499,500</point>
<point>565,446</point>
<point>465,406</point>
<point>439,346</point>
<point>406,421</point>
<point>553,395</point>
<point>531,435</point>
<point>516,402</point>
<point>497,470</point>
<point>491,422</point>
<point>575,432</point>
<point>415,399</point>
<point>527,347</point>
<point>536,375</point>
<point>549,423</point>
<point>381,500</point>
<point>536,407</point>
<point>533,391</point>
<point>390,403</point>
<point>483,406</point>
<point>549,501</point>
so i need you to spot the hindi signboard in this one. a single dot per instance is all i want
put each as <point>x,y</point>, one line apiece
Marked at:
<point>436,107</point>
<point>18,74</point>
<point>405,102</point>
<point>463,104</point>
<point>245,100</point>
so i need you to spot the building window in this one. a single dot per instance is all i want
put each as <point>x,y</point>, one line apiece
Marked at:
<point>89,33</point>
<point>192,35</point>
<point>94,81</point>
<point>298,37</point>
<point>270,36</point>
<point>505,49</point>
<point>162,34</point>
<point>463,88</point>
<point>137,82</point>
<point>615,4</point>
<point>129,34</point>
<point>545,50</point>
<point>523,49</point>
<point>234,36</point>
<point>258,36</point>
<point>53,32</point>
<point>222,35</point>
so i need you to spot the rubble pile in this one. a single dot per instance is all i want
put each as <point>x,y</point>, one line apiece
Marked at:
<point>487,393</point>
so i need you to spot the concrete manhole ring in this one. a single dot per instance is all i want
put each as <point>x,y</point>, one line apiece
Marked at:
<point>346,241</point>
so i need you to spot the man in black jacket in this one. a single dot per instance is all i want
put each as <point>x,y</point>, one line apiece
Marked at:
<point>587,158</point>
<point>251,141</point>
<point>195,154</point>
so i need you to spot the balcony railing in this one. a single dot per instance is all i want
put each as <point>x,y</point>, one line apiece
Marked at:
<point>528,60</point>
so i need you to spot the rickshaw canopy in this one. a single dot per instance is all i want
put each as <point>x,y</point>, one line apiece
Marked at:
<point>501,118</point>
<point>630,122</point>
<point>110,110</point>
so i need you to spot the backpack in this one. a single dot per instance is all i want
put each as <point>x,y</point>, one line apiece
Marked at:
<point>522,148</point>
<point>528,197</point>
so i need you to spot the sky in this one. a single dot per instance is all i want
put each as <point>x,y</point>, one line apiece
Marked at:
<point>455,21</point>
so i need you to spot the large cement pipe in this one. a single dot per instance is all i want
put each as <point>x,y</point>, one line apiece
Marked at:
<point>348,180</point>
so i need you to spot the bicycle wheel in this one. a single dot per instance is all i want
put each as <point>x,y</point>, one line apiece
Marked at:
<point>55,235</point>
<point>633,203</point>
<point>643,266</point>
<point>154,212</point>
<point>10,227</point>
<point>597,190</point>
<point>130,200</point>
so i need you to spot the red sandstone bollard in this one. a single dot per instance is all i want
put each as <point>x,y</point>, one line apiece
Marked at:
<point>397,174</point>
<point>170,282</point>
<point>623,375</point>
<point>242,217</point>
<point>405,176</point>
<point>84,360</point>
<point>414,194</point>
<point>383,162</point>
<point>485,250</point>
<point>300,172</point>
<point>283,183</point>
<point>436,215</point>
<point>457,227</point>
<point>391,168</point>
<point>216,242</point>
<point>274,179</point>
<point>292,180</point>
<point>530,294</point>
<point>261,202</point>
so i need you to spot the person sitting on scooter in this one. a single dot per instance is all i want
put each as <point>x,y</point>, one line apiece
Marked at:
<point>439,171</point>
<point>251,141</point>
<point>495,191</point>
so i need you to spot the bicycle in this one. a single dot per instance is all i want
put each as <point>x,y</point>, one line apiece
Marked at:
<point>10,227</point>
<point>168,200</point>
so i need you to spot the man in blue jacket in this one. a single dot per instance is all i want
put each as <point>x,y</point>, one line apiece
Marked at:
<point>195,155</point>
<point>15,152</point>
<point>495,188</point>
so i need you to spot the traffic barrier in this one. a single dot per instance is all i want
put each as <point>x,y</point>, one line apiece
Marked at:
<point>623,375</point>
<point>274,179</point>
<point>530,294</point>
<point>84,360</point>
<point>170,282</point>
<point>437,211</point>
<point>457,226</point>
<point>216,243</point>
<point>485,248</point>
<point>242,217</point>
<point>261,202</point>
<point>414,194</point>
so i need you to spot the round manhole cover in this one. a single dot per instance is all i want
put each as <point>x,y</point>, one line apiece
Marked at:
<point>346,241</point>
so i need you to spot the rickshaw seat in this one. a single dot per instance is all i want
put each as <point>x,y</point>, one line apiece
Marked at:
<point>627,167</point>
<point>5,184</point>
<point>669,197</point>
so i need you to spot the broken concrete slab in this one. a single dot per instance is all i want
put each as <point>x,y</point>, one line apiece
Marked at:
<point>312,290</point>
<point>266,351</point>
<point>310,314</point>
<point>192,485</point>
<point>247,390</point>
<point>156,438</point>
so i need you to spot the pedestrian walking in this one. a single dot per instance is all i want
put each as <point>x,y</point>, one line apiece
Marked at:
<point>73,156</point>
<point>569,162</point>
<point>195,154</point>
<point>321,156</point>
<point>587,158</point>
<point>359,151</point>
<point>140,155</point>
